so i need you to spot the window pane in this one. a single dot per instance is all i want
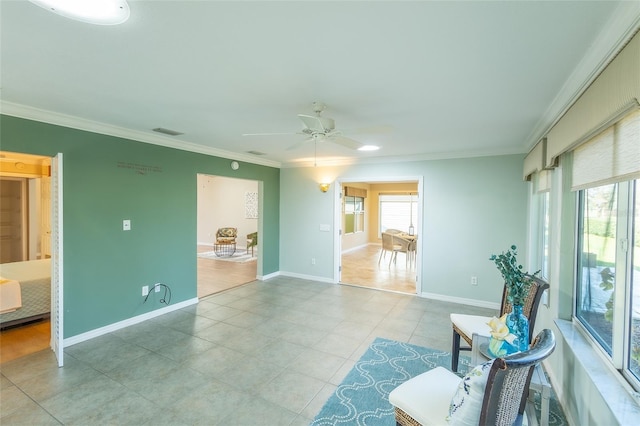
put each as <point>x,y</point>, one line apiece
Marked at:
<point>634,358</point>
<point>545,235</point>
<point>398,212</point>
<point>353,214</point>
<point>596,269</point>
<point>349,204</point>
<point>359,222</point>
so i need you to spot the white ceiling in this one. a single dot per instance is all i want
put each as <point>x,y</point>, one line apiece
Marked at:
<point>451,79</point>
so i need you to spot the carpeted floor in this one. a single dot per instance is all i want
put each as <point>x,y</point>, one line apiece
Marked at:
<point>362,397</point>
<point>240,256</point>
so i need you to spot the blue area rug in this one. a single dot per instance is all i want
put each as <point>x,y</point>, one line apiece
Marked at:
<point>363,396</point>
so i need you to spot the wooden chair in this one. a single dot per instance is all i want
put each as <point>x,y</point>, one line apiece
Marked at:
<point>494,393</point>
<point>466,325</point>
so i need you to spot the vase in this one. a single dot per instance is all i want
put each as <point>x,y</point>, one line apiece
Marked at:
<point>518,325</point>
<point>517,339</point>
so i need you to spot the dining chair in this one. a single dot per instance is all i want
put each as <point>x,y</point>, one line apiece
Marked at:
<point>388,245</point>
<point>493,393</point>
<point>405,246</point>
<point>466,325</point>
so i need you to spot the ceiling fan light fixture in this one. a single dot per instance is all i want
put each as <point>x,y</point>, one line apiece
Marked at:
<point>368,148</point>
<point>99,12</point>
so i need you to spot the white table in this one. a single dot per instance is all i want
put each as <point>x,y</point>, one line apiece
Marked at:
<point>539,382</point>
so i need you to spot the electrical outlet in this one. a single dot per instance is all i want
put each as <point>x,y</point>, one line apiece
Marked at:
<point>145,290</point>
<point>157,287</point>
<point>474,280</point>
<point>313,260</point>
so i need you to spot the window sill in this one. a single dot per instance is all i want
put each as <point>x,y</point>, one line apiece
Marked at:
<point>616,393</point>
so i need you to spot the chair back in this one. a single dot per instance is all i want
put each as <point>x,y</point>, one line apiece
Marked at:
<point>402,245</point>
<point>392,231</point>
<point>387,241</point>
<point>226,235</point>
<point>530,308</point>
<point>253,237</point>
<point>508,382</point>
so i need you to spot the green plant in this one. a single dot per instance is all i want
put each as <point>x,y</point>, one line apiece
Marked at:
<point>516,280</point>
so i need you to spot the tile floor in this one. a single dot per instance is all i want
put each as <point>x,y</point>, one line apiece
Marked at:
<point>265,353</point>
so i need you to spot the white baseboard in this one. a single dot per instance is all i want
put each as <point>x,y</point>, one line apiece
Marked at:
<point>461,300</point>
<point>268,276</point>
<point>357,248</point>
<point>69,341</point>
<point>307,277</point>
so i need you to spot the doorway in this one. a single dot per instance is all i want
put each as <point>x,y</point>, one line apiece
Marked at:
<point>360,259</point>
<point>226,203</point>
<point>35,185</point>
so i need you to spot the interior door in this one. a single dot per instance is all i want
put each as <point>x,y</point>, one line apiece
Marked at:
<point>57,300</point>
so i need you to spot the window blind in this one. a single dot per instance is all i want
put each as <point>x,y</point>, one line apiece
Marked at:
<point>609,97</point>
<point>350,191</point>
<point>611,156</point>
<point>544,181</point>
<point>534,161</point>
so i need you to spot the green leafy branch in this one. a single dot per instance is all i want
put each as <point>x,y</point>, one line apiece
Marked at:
<point>517,281</point>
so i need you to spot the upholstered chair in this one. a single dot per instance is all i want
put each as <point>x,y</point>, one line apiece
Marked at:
<point>252,241</point>
<point>226,235</point>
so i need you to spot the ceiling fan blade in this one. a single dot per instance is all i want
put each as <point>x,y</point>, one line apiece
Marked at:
<point>344,141</point>
<point>317,124</point>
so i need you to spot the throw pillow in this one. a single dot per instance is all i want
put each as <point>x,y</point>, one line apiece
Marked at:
<point>465,405</point>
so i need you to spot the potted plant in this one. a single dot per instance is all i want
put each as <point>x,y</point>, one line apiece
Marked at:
<point>518,284</point>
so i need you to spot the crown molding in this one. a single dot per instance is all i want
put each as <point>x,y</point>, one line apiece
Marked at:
<point>64,120</point>
<point>450,155</point>
<point>622,26</point>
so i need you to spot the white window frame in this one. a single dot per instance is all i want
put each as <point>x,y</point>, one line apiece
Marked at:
<point>622,301</point>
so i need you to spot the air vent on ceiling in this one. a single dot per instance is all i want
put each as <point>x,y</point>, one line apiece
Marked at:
<point>167,131</point>
<point>256,153</point>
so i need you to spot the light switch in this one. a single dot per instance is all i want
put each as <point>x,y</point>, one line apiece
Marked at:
<point>126,225</point>
<point>325,227</point>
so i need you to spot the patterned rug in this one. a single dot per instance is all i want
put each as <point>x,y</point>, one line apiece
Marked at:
<point>362,397</point>
<point>240,256</point>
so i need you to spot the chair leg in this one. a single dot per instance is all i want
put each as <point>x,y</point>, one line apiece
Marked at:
<point>381,253</point>
<point>455,351</point>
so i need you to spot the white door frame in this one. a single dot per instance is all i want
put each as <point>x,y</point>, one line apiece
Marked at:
<point>57,272</point>
<point>337,220</point>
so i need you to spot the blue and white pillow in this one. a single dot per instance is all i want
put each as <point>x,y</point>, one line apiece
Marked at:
<point>466,404</point>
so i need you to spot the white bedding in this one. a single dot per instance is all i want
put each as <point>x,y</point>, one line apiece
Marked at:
<point>10,295</point>
<point>34,279</point>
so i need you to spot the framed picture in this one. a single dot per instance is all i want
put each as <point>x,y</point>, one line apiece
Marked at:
<point>251,205</point>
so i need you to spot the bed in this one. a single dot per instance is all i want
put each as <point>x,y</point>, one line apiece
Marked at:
<point>34,281</point>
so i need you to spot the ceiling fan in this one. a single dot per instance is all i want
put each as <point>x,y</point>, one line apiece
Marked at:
<point>318,129</point>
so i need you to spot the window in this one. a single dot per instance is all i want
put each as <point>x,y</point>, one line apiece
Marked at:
<point>544,245</point>
<point>608,272</point>
<point>398,212</point>
<point>353,214</point>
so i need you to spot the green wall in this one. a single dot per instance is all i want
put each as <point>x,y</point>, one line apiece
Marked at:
<point>108,179</point>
